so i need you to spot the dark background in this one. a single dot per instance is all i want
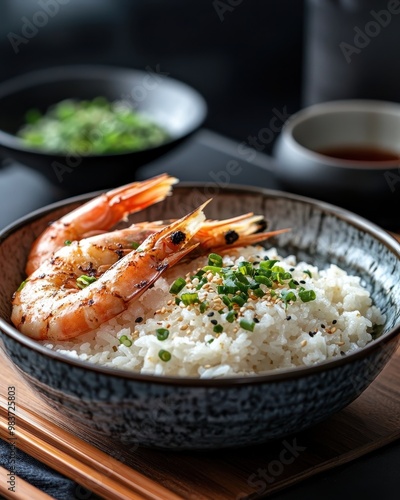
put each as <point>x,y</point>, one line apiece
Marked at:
<point>247,57</point>
<point>245,60</point>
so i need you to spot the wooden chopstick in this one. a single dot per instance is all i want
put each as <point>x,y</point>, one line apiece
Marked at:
<point>79,460</point>
<point>21,489</point>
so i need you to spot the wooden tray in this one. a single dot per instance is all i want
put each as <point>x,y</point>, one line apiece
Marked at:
<point>370,422</point>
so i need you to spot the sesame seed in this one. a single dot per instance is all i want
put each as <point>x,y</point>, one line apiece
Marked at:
<point>311,334</point>
<point>333,330</point>
<point>214,322</point>
<point>302,282</point>
<point>322,326</point>
<point>162,310</point>
<point>184,327</point>
<point>139,319</point>
<point>334,322</point>
<point>340,343</point>
<point>303,343</point>
<point>256,320</point>
<point>288,318</point>
<point>210,314</point>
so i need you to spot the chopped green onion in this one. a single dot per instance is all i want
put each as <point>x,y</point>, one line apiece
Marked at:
<point>125,341</point>
<point>203,306</point>
<point>247,325</point>
<point>201,283</point>
<point>67,242</point>
<point>199,274</point>
<point>308,272</point>
<point>293,284</point>
<point>226,300</point>
<point>21,286</point>
<point>177,285</point>
<point>222,289</point>
<point>164,355</point>
<point>135,245</point>
<point>246,268</point>
<point>162,333</point>
<point>307,295</point>
<point>215,260</point>
<point>210,341</point>
<point>288,296</point>
<point>83,281</point>
<point>241,279</point>
<point>218,329</point>
<point>258,292</point>
<point>177,301</point>
<point>230,316</point>
<point>242,287</point>
<point>278,269</point>
<point>212,269</point>
<point>267,264</point>
<point>189,298</point>
<point>264,280</point>
<point>237,299</point>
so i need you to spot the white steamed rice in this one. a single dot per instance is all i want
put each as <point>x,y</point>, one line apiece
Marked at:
<point>336,323</point>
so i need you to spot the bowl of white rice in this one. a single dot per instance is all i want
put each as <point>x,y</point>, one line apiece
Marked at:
<point>233,349</point>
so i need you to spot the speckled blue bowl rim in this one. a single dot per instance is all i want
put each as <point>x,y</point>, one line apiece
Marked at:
<point>278,375</point>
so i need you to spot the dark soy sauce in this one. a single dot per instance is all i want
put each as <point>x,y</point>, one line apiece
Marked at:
<point>360,153</point>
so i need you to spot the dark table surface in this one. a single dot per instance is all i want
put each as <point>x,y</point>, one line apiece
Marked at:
<point>217,161</point>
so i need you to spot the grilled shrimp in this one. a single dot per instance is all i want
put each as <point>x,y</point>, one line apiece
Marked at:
<point>98,215</point>
<point>216,235</point>
<point>98,253</point>
<point>57,303</point>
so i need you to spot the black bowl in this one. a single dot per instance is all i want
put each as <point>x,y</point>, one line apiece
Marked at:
<point>168,102</point>
<point>188,413</point>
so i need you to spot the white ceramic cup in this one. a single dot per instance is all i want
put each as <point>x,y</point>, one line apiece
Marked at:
<point>353,184</point>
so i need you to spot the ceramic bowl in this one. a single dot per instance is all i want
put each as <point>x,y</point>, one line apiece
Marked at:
<point>178,108</point>
<point>369,187</point>
<point>185,413</point>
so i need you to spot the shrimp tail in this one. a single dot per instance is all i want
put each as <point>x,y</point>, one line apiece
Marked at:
<point>250,239</point>
<point>137,196</point>
<point>238,231</point>
<point>97,216</point>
